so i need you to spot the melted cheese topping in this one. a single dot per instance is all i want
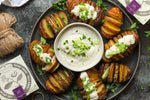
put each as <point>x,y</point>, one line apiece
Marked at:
<point>89,87</point>
<point>121,46</point>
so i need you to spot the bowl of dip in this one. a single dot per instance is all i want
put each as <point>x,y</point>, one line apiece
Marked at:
<point>79,47</point>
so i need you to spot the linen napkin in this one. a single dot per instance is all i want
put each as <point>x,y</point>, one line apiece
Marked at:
<point>140,9</point>
<point>13,3</point>
<point>16,81</point>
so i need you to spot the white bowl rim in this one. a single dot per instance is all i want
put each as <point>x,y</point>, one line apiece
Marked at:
<point>82,68</point>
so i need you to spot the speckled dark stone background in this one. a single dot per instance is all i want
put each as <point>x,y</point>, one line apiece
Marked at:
<point>26,18</point>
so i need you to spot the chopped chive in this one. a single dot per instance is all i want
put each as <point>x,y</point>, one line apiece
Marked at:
<point>71,61</point>
<point>76,30</point>
<point>142,87</point>
<point>67,48</point>
<point>58,49</point>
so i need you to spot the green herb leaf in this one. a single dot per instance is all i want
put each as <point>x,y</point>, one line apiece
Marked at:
<point>142,87</point>
<point>149,84</point>
<point>117,85</point>
<point>104,76</point>
<point>133,27</point>
<point>101,4</point>
<point>107,87</point>
<point>147,34</point>
<point>58,49</point>
<point>149,62</point>
<point>43,41</point>
<point>48,26</point>
<point>59,78</point>
<point>149,48</point>
<point>104,20</point>
<point>71,61</point>
<point>39,69</point>
<point>52,50</point>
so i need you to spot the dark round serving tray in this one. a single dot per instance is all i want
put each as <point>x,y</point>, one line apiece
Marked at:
<point>132,60</point>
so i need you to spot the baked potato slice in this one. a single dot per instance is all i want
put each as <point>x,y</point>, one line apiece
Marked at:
<point>106,33</point>
<point>121,73</point>
<point>63,17</point>
<point>54,68</point>
<point>64,78</point>
<point>56,23</point>
<point>45,29</point>
<point>60,21</point>
<point>53,25</point>
<point>55,84</point>
<point>92,73</point>
<point>111,73</point>
<point>113,21</point>
<point>109,26</point>
<point>127,73</point>
<point>50,87</point>
<point>115,13</point>
<point>65,85</point>
<point>101,91</point>
<point>116,73</point>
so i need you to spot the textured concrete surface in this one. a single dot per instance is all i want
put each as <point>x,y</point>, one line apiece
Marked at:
<point>30,12</point>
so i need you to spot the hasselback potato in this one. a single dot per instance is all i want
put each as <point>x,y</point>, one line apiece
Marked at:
<point>59,81</point>
<point>51,25</point>
<point>85,18</point>
<point>112,23</point>
<point>114,72</point>
<point>45,49</point>
<point>122,49</point>
<point>91,81</point>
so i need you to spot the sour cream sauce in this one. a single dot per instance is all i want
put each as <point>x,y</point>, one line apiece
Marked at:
<point>87,9</point>
<point>93,95</point>
<point>43,56</point>
<point>75,34</point>
<point>127,39</point>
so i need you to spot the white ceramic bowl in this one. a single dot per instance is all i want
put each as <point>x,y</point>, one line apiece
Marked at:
<point>64,33</point>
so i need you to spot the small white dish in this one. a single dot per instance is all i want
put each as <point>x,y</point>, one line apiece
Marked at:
<point>77,31</point>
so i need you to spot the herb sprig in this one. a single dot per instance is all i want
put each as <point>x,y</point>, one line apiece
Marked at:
<point>43,41</point>
<point>39,69</point>
<point>60,5</point>
<point>133,27</point>
<point>147,34</point>
<point>101,4</point>
<point>112,87</point>
<point>74,95</point>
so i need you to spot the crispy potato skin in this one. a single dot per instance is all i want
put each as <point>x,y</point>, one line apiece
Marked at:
<point>70,4</point>
<point>94,78</point>
<point>112,24</point>
<point>129,50</point>
<point>59,81</point>
<point>118,73</point>
<point>46,49</point>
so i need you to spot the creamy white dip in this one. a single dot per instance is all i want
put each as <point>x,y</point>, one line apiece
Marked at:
<point>44,57</point>
<point>89,86</point>
<point>85,11</point>
<point>126,41</point>
<point>83,38</point>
